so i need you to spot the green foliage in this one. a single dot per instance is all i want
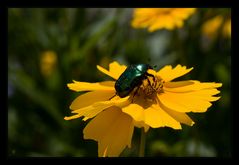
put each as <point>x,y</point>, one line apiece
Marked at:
<point>83,38</point>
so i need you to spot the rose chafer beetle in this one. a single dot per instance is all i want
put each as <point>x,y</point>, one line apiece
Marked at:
<point>131,78</point>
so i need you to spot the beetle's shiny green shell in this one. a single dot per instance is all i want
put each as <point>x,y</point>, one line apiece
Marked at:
<point>132,77</point>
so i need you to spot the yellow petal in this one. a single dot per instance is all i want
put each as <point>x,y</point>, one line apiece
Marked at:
<point>156,117</point>
<point>92,110</point>
<point>186,102</point>
<point>193,88</point>
<point>115,70</point>
<point>183,13</point>
<point>180,117</point>
<point>190,85</point>
<point>103,70</point>
<point>158,24</point>
<point>112,129</point>
<point>151,117</point>
<point>178,84</point>
<point>135,111</point>
<point>90,98</point>
<point>85,86</point>
<point>143,18</point>
<point>168,74</point>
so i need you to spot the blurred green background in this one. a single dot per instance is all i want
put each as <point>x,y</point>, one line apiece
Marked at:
<point>48,48</point>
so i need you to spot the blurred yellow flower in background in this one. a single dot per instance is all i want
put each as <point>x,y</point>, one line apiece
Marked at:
<point>48,60</point>
<point>211,28</point>
<point>227,28</point>
<point>159,18</point>
<point>159,102</point>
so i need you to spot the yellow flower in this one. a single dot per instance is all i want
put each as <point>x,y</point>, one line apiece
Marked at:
<point>158,102</point>
<point>211,27</point>
<point>159,18</point>
<point>227,28</point>
<point>47,62</point>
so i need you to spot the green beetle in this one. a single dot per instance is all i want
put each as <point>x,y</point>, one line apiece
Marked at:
<point>131,78</point>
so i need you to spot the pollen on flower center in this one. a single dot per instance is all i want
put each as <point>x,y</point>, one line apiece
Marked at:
<point>150,88</point>
<point>152,85</point>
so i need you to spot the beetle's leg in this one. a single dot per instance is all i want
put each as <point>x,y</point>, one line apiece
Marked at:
<point>151,84</point>
<point>148,74</point>
<point>112,96</point>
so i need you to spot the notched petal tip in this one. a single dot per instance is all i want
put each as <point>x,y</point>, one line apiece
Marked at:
<point>115,70</point>
<point>179,66</point>
<point>105,71</point>
<point>73,86</point>
<point>69,85</point>
<point>168,73</point>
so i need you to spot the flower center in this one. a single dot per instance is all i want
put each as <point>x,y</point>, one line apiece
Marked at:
<point>149,89</point>
<point>152,86</point>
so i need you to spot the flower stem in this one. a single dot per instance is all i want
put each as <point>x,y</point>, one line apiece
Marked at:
<point>142,143</point>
